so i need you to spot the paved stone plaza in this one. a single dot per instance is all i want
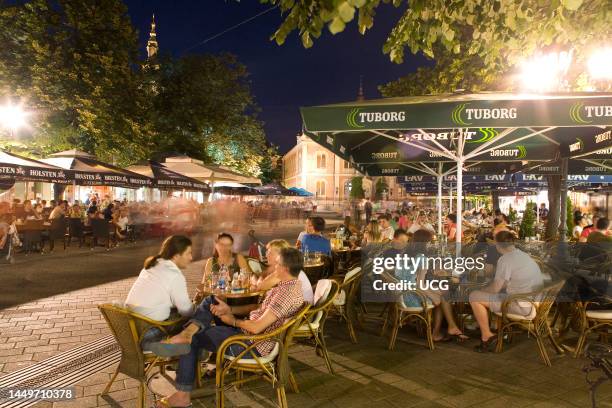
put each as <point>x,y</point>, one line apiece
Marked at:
<point>367,373</point>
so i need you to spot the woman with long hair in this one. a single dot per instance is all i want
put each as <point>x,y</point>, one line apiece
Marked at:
<point>372,233</point>
<point>224,256</point>
<point>161,284</point>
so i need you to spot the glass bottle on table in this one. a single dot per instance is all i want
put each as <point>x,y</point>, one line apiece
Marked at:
<point>223,278</point>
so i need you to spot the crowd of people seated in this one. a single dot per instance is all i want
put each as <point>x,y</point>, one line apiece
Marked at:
<point>127,219</point>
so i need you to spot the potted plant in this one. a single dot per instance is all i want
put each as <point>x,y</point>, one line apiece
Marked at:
<point>527,230</point>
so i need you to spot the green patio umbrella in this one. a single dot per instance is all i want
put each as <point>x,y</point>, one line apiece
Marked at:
<point>386,136</point>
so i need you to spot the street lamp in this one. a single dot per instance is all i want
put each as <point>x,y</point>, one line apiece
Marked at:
<point>12,117</point>
<point>600,64</point>
<point>546,72</point>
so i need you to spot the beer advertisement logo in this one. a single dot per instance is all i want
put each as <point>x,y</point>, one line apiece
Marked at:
<point>486,135</point>
<point>456,115</point>
<point>518,152</point>
<point>351,118</point>
<point>357,119</point>
<point>576,113</point>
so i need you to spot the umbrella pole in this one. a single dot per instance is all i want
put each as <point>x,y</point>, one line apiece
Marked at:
<point>459,205</point>
<point>439,204</point>
<point>563,215</point>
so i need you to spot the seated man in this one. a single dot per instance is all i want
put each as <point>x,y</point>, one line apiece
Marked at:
<point>517,273</point>
<point>281,302</point>
<point>314,241</point>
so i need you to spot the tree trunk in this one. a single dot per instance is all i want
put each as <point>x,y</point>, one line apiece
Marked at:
<point>495,199</point>
<point>58,190</point>
<point>554,207</point>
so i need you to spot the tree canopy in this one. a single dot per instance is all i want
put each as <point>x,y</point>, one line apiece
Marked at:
<point>474,42</point>
<point>76,65</point>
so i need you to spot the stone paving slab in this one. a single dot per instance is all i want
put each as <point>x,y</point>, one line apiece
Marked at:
<point>368,375</point>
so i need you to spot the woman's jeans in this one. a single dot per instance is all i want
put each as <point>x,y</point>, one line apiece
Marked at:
<point>209,337</point>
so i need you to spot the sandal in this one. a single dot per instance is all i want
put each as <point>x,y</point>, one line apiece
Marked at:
<point>486,346</point>
<point>459,337</point>
<point>164,402</point>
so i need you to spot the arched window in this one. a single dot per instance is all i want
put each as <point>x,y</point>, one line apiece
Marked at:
<point>321,161</point>
<point>347,188</point>
<point>320,188</point>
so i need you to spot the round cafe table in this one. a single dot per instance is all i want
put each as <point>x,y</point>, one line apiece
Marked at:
<point>231,298</point>
<point>314,270</point>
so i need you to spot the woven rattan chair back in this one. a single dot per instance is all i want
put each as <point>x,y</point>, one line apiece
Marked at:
<point>127,332</point>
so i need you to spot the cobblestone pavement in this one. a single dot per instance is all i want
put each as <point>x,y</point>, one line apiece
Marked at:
<point>367,374</point>
<point>33,330</point>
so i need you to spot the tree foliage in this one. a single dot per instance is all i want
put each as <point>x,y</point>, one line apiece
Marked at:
<point>529,219</point>
<point>76,64</point>
<point>357,192</point>
<point>474,42</point>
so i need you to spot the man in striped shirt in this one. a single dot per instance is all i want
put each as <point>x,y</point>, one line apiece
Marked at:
<point>281,303</point>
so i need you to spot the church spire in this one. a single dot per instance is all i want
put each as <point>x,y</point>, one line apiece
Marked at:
<point>152,43</point>
<point>360,96</point>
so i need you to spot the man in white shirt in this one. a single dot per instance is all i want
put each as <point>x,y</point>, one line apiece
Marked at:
<point>386,230</point>
<point>421,223</point>
<point>161,285</point>
<point>517,273</point>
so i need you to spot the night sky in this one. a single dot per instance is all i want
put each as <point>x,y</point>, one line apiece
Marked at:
<point>283,78</point>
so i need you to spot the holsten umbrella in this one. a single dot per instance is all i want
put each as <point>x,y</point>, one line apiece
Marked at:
<point>166,179</point>
<point>16,168</point>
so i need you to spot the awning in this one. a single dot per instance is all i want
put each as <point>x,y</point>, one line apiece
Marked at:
<point>233,188</point>
<point>166,179</point>
<point>88,171</point>
<point>18,168</point>
<point>396,136</point>
<point>196,169</point>
<point>275,189</point>
<point>301,192</point>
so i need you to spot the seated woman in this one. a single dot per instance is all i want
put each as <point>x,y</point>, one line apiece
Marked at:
<point>418,249</point>
<point>161,286</point>
<point>280,303</point>
<point>372,234</point>
<point>451,227</point>
<point>224,256</point>
<point>270,279</point>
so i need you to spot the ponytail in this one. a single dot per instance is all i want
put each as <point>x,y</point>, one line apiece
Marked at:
<point>151,261</point>
<point>173,245</point>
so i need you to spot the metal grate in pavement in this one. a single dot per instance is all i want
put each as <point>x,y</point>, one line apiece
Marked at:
<point>63,370</point>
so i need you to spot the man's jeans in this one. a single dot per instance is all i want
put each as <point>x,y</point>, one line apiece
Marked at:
<point>209,338</point>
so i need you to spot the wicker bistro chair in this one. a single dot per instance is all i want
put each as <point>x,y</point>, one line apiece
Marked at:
<point>536,323</point>
<point>398,314</point>
<point>273,368</point>
<point>593,321</point>
<point>128,329</point>
<point>345,302</point>
<point>314,321</point>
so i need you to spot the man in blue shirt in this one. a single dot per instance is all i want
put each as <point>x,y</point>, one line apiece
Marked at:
<point>314,241</point>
